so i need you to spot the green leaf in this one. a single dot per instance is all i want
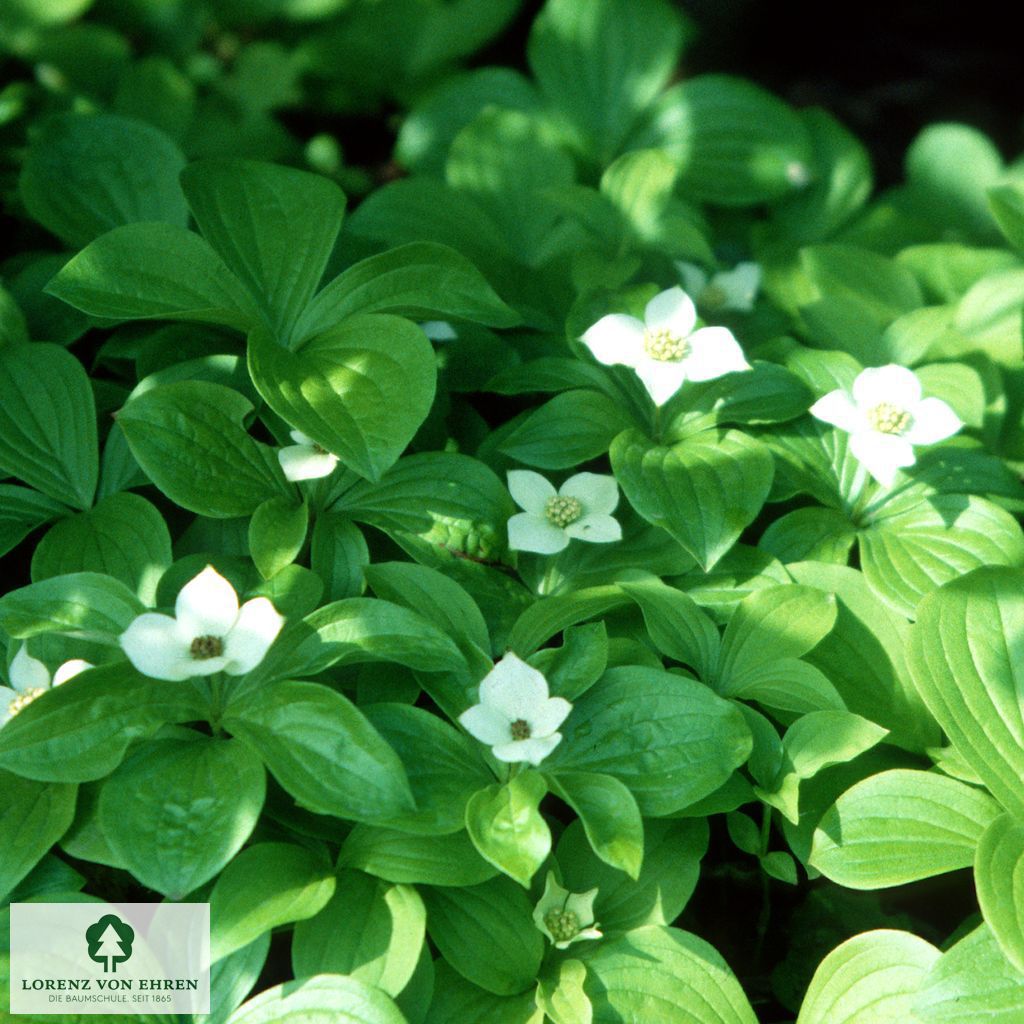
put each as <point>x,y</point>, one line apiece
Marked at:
<point>872,978</point>
<point>562,997</point>
<point>80,730</point>
<point>273,226</point>
<point>420,860</point>
<point>678,627</point>
<point>33,816</point>
<point>1006,203</point>
<point>421,281</point>
<point>668,738</point>
<point>973,981</point>
<point>327,997</point>
<point>21,511</point>
<point>456,1001</point>
<point>810,534</point>
<point>684,976</point>
<point>767,393</point>
<point>177,811</point>
<point>360,389</point>
<point>600,64</point>
<point>84,605</point>
<point>737,145</point>
<point>154,272</point>
<point>370,930</point>
<point>190,440</point>
<point>321,748</point>
<point>267,885</point>
<point>507,828</point>
<point>999,881</point>
<point>124,536</point>
<point>338,555</point>
<point>487,934</point>
<point>704,491</point>
<point>48,422</point>
<point>277,533</point>
<point>87,173</point>
<point>906,555</point>
<point>899,826</point>
<point>573,668</point>
<point>571,428</point>
<point>609,815</point>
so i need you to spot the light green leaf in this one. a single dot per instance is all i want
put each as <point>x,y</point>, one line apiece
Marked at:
<point>124,536</point>
<point>704,491</point>
<point>1006,203</point>
<point>277,533</point>
<point>177,811</point>
<point>154,272</point>
<point>33,816</point>
<point>421,281</point>
<point>322,749</point>
<point>370,930</point>
<point>561,996</point>
<point>190,440</point>
<point>87,173</point>
<point>872,978</point>
<point>360,389</point>
<point>507,828</point>
<point>487,934</point>
<point>609,815</point>
<point>328,997</point>
<point>273,226</point>
<point>999,881</point>
<point>973,981</point>
<point>48,422</point>
<point>265,886</point>
<point>899,826</point>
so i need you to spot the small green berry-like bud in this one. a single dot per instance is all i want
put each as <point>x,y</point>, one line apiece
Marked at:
<point>563,925</point>
<point>563,511</point>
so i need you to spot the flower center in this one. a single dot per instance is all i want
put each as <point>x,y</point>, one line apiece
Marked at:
<point>23,700</point>
<point>563,925</point>
<point>713,297</point>
<point>661,344</point>
<point>563,511</point>
<point>520,729</point>
<point>887,418</point>
<point>204,647</point>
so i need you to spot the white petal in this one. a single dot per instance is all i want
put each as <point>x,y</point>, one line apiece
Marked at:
<point>882,454</point>
<point>694,278</point>
<point>672,310</point>
<point>838,408</point>
<point>70,669</point>
<point>7,697</point>
<point>304,462</point>
<point>207,605</point>
<point>157,647</point>
<point>596,492</point>
<point>529,490</point>
<point>28,673</point>
<point>486,723</point>
<point>586,933</point>
<point>739,286</point>
<point>527,532</point>
<point>933,420</point>
<point>547,717</point>
<point>251,636</point>
<point>616,338</point>
<point>582,905</point>
<point>662,379</point>
<point>714,352</point>
<point>531,750</point>
<point>300,438</point>
<point>597,528</point>
<point>514,688</point>
<point>893,384</point>
<point>439,330</point>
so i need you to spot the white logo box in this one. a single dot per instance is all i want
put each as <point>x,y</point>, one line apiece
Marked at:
<point>113,958</point>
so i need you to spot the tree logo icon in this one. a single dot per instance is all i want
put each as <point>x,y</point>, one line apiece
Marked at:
<point>110,942</point>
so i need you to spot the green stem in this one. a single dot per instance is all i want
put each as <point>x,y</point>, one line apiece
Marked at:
<point>217,702</point>
<point>765,913</point>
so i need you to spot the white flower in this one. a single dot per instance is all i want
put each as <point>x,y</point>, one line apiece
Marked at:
<point>305,460</point>
<point>209,632</point>
<point>733,289</point>
<point>885,417</point>
<point>30,678</point>
<point>516,716</point>
<point>664,349</point>
<point>581,508</point>
<point>439,330</point>
<point>565,917</point>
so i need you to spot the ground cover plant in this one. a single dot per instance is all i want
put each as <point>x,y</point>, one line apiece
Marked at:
<point>564,567</point>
